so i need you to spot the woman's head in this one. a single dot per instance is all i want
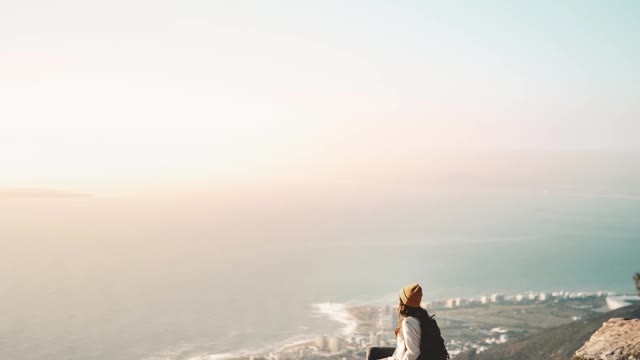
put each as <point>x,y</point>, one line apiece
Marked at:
<point>409,306</point>
<point>411,295</point>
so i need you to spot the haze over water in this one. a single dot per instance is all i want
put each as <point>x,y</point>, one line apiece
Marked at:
<point>237,268</point>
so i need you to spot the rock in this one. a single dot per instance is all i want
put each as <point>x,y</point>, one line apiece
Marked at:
<point>617,339</point>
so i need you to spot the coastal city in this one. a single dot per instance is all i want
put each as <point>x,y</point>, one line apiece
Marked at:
<point>466,323</point>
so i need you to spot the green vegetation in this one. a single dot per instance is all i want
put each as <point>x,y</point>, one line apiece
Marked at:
<point>636,278</point>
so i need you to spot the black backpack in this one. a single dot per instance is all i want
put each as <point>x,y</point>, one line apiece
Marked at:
<point>431,342</point>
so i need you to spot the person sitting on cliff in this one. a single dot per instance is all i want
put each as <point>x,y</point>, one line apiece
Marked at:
<point>417,334</point>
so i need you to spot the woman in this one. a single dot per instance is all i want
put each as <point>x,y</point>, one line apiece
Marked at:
<point>417,334</point>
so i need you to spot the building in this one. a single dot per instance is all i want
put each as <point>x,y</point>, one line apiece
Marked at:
<point>497,298</point>
<point>460,301</point>
<point>450,303</point>
<point>484,300</point>
<point>335,344</point>
<point>427,304</point>
<point>387,322</point>
<point>374,339</point>
<point>616,302</point>
<point>543,296</point>
<point>321,342</point>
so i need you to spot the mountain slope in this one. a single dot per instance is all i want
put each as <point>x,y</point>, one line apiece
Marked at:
<point>558,343</point>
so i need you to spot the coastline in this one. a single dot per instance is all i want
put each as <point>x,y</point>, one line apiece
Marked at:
<point>360,324</point>
<point>337,312</point>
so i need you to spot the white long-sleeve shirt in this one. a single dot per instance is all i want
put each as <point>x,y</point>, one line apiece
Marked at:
<point>408,340</point>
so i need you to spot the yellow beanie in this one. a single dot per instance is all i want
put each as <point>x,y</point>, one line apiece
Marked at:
<point>411,295</point>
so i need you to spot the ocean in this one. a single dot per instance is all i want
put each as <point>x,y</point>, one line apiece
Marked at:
<point>206,276</point>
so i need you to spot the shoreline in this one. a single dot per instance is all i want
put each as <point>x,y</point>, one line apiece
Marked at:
<point>343,314</point>
<point>337,312</point>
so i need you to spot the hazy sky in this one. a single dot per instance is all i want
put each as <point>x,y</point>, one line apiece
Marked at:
<point>134,90</point>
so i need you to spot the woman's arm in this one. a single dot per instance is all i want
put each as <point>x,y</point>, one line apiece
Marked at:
<point>411,332</point>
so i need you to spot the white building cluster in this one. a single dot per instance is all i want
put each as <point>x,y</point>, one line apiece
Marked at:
<point>525,297</point>
<point>461,301</point>
<point>384,331</point>
<point>555,296</point>
<point>331,344</point>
